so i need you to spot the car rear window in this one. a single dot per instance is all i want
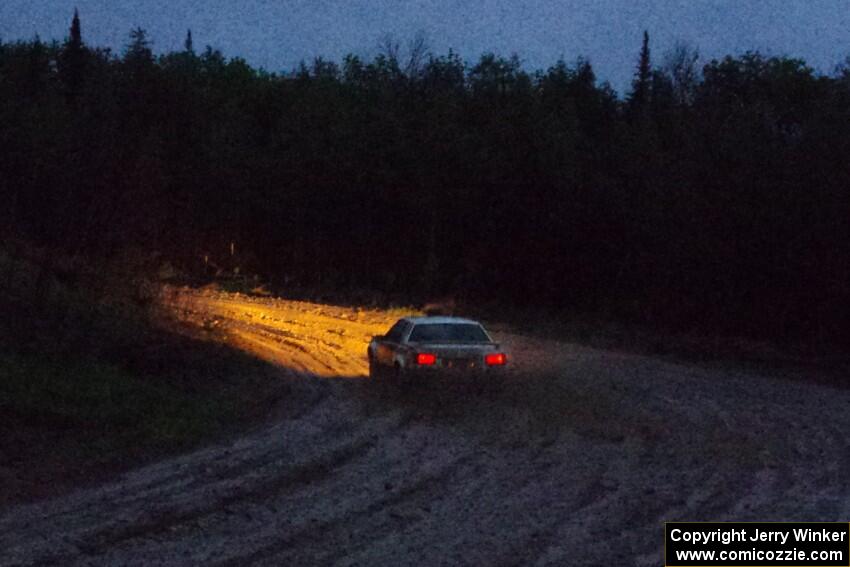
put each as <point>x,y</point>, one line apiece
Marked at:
<point>397,331</point>
<point>452,332</point>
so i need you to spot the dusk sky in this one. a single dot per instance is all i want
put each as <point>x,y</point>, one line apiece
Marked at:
<point>277,34</point>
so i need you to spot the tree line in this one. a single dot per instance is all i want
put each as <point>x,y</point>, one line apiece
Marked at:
<point>712,196</point>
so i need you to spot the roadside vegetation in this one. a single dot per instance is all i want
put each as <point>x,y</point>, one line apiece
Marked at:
<point>91,383</point>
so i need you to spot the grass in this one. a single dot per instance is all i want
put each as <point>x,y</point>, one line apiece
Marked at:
<point>96,391</point>
<point>92,384</point>
<point>102,398</point>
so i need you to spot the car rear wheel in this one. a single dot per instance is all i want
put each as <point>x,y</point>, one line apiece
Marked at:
<point>374,370</point>
<point>398,376</point>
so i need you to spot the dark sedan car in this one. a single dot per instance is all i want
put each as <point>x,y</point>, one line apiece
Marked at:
<point>418,347</point>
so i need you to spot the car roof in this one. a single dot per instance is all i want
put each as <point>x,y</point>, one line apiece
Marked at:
<point>441,321</point>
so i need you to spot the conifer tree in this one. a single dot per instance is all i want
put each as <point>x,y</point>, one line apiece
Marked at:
<point>189,45</point>
<point>76,38</point>
<point>139,49</point>
<point>641,84</point>
<point>72,60</point>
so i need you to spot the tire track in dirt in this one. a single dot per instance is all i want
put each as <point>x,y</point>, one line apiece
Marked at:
<point>267,528</point>
<point>577,461</point>
<point>185,495</point>
<point>162,519</point>
<point>328,536</point>
<point>177,474</point>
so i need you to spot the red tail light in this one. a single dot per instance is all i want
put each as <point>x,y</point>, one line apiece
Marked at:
<point>496,359</point>
<point>426,359</point>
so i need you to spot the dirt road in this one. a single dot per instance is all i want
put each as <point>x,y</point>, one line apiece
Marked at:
<point>576,461</point>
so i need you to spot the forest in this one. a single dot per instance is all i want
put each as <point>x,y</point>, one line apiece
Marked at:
<point>712,197</point>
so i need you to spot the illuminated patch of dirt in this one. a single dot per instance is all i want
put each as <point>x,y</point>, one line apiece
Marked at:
<point>321,340</point>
